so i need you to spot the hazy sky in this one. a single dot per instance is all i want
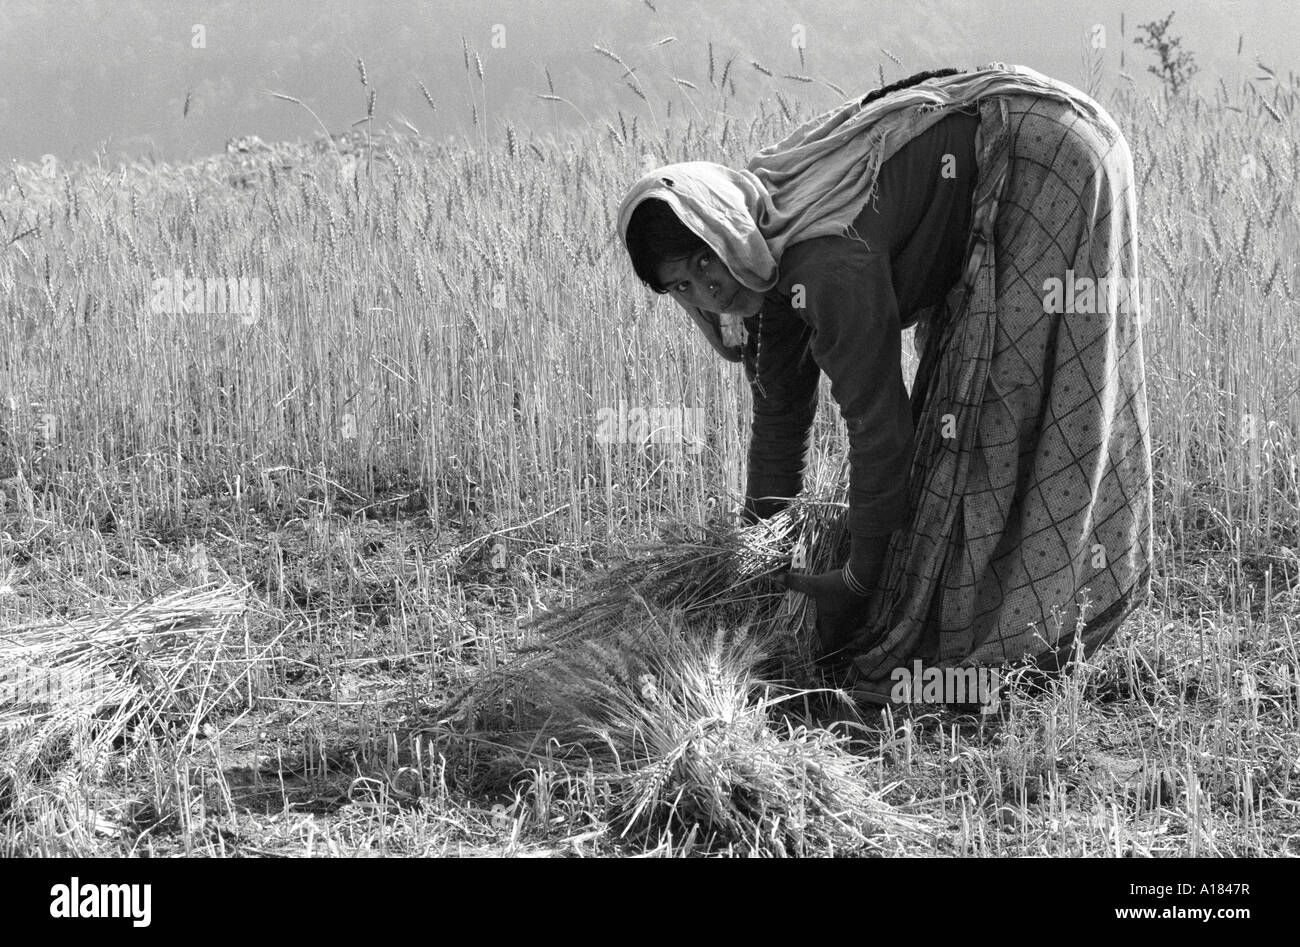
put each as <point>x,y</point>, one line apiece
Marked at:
<point>76,73</point>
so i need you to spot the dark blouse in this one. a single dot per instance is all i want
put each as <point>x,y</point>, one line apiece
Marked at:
<point>858,296</point>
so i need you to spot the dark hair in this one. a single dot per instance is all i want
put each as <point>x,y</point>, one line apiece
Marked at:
<point>907,83</point>
<point>655,235</point>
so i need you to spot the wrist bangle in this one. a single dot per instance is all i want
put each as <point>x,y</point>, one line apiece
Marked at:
<point>852,582</point>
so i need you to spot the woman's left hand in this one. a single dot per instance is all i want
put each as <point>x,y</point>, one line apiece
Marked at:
<point>839,608</point>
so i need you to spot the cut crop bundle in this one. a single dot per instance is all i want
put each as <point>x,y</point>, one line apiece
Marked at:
<point>669,695</point>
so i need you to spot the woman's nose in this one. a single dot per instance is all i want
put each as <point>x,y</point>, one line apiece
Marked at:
<point>704,296</point>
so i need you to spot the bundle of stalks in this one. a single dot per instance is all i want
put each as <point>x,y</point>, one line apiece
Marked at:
<point>159,667</point>
<point>665,696</point>
<point>706,576</point>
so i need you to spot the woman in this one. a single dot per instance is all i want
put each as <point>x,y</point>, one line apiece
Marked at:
<point>1002,511</point>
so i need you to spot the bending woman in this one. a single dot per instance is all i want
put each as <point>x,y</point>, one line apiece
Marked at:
<point>1001,512</point>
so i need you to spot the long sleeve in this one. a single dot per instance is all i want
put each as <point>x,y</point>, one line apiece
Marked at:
<point>850,305</point>
<point>783,378</point>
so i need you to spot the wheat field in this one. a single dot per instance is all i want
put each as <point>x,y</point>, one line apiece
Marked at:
<point>326,510</point>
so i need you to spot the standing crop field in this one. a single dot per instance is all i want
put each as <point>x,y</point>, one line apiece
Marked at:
<point>282,523</point>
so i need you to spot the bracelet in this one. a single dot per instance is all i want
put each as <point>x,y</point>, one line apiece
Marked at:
<point>852,582</point>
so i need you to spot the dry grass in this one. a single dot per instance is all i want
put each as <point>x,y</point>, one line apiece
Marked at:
<point>76,692</point>
<point>695,748</point>
<point>660,701</point>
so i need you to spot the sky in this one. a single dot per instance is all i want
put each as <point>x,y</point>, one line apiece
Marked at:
<point>81,75</point>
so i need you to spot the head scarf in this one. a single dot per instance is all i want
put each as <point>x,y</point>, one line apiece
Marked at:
<point>724,208</point>
<point>816,180</point>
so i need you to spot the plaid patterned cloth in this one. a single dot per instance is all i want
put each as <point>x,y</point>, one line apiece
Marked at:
<point>1031,495</point>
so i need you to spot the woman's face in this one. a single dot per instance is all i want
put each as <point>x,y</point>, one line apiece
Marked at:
<point>702,280</point>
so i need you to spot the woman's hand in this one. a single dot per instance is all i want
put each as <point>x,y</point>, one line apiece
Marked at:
<point>839,608</point>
